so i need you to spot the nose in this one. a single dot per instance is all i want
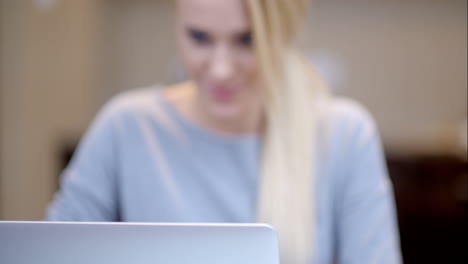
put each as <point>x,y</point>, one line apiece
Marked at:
<point>222,64</point>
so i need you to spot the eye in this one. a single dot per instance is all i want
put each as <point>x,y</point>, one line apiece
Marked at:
<point>246,39</point>
<point>199,37</point>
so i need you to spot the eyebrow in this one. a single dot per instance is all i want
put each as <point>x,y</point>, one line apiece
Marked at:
<point>240,33</point>
<point>243,33</point>
<point>193,28</point>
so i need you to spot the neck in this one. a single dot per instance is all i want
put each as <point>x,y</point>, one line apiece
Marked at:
<point>249,121</point>
<point>186,99</point>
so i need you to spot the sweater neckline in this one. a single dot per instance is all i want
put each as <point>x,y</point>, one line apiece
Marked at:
<point>199,130</point>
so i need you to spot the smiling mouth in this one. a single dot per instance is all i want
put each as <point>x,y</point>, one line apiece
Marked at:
<point>222,94</point>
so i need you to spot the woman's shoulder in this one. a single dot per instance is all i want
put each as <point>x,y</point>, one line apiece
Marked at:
<point>136,100</point>
<point>347,123</point>
<point>145,100</point>
<point>348,114</point>
<point>345,109</point>
<point>133,108</point>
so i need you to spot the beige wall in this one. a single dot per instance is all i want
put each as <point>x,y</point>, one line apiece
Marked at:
<point>405,60</point>
<point>139,44</point>
<point>48,82</point>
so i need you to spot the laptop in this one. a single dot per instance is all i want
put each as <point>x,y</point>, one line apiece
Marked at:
<point>136,243</point>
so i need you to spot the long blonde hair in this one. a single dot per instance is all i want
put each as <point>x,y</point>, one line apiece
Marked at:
<point>292,94</point>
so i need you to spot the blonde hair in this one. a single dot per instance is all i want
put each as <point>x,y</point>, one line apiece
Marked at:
<point>292,94</point>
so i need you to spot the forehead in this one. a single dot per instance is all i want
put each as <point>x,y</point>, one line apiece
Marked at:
<point>221,16</point>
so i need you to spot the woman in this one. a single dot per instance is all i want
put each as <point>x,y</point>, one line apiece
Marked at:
<point>253,137</point>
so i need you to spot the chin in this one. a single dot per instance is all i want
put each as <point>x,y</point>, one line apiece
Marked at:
<point>225,111</point>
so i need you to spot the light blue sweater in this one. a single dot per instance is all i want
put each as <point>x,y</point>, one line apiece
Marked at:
<point>141,161</point>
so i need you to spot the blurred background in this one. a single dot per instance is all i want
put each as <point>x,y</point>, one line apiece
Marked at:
<point>405,60</point>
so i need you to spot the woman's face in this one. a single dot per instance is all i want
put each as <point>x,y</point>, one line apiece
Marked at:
<point>215,41</point>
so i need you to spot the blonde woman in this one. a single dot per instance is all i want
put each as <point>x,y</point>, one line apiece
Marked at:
<point>253,137</point>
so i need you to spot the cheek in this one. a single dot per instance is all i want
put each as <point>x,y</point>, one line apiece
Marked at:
<point>249,68</point>
<point>194,58</point>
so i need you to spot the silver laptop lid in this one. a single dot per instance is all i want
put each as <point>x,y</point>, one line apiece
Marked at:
<point>136,243</point>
